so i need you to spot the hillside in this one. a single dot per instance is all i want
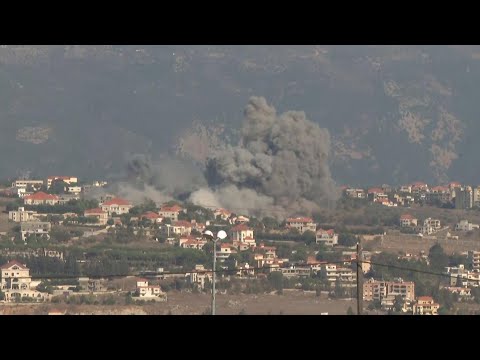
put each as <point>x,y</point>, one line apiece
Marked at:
<point>395,113</point>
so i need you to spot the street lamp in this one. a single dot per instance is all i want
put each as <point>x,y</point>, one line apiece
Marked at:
<point>209,236</point>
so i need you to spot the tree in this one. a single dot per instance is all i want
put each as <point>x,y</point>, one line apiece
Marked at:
<point>438,258</point>
<point>308,237</point>
<point>350,311</point>
<point>276,280</point>
<point>2,296</point>
<point>270,223</point>
<point>110,222</point>
<point>347,239</point>
<point>398,303</point>
<point>58,187</point>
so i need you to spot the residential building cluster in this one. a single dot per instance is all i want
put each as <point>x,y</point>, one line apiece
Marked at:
<point>454,194</point>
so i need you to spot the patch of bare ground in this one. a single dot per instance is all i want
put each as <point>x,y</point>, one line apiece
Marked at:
<point>292,302</point>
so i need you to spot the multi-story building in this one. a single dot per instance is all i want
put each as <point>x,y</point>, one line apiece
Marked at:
<point>33,184</point>
<point>16,283</point>
<point>374,194</point>
<point>374,290</point>
<point>425,305</point>
<point>41,198</point>
<point>439,193</point>
<point>170,212</point>
<point>296,271</point>
<point>464,198</point>
<point>190,242</point>
<point>225,251</point>
<point>419,187</point>
<point>327,237</point>
<point>405,189</point>
<point>21,215</point>
<point>116,206</point>
<point>144,290</point>
<point>37,228</point>
<point>429,226</point>
<point>302,224</point>
<point>474,258</point>
<point>333,272</point>
<point>407,220</point>
<point>66,179</point>
<point>199,276</point>
<point>181,227</point>
<point>476,196</point>
<point>242,234</point>
<point>355,193</point>
<point>99,214</point>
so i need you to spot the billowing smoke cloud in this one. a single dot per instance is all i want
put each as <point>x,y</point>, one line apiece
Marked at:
<point>279,167</point>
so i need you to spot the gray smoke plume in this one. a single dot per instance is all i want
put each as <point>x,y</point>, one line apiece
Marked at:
<point>280,166</point>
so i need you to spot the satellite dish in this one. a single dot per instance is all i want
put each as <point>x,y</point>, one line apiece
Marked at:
<point>222,235</point>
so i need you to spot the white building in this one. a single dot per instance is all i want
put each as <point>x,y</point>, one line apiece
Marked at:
<point>66,179</point>
<point>464,225</point>
<point>16,283</point>
<point>145,291</point>
<point>199,276</point>
<point>21,215</point>
<point>242,234</point>
<point>38,228</point>
<point>170,212</point>
<point>302,224</point>
<point>116,206</point>
<point>327,237</point>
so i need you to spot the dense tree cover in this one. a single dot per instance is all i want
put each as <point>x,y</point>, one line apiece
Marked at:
<point>347,239</point>
<point>148,205</point>
<point>58,187</point>
<point>330,255</point>
<point>438,259</point>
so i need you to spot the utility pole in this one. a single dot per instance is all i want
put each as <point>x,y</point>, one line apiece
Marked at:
<point>213,274</point>
<point>359,279</point>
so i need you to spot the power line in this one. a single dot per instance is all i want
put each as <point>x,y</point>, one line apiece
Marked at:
<point>418,270</point>
<point>146,273</point>
<point>287,266</point>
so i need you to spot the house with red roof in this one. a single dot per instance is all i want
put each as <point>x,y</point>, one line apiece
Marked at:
<point>116,206</point>
<point>407,220</point>
<point>97,213</point>
<point>144,290</point>
<point>374,194</point>
<point>419,187</point>
<point>181,227</point>
<point>16,283</point>
<point>152,216</point>
<point>191,242</point>
<point>327,237</point>
<point>226,249</point>
<point>170,212</point>
<point>302,224</point>
<point>41,198</point>
<point>222,213</point>
<point>242,234</point>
